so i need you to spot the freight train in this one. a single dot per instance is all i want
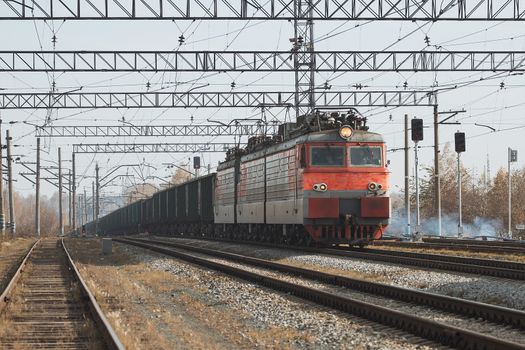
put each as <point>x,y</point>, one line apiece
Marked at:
<point>321,180</point>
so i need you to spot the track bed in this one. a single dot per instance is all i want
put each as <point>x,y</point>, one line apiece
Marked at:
<point>46,307</point>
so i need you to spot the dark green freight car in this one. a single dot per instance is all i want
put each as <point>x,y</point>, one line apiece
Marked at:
<point>188,206</point>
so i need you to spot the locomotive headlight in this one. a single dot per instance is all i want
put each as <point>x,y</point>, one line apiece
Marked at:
<point>322,187</point>
<point>345,132</point>
<point>372,186</point>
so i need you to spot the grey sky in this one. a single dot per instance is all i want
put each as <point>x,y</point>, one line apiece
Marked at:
<point>484,101</point>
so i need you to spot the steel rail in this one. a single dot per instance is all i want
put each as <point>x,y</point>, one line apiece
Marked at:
<point>108,333</point>
<point>477,248</point>
<point>473,262</point>
<point>444,262</point>
<point>111,340</point>
<point>432,330</point>
<point>5,297</point>
<point>516,244</point>
<point>492,313</point>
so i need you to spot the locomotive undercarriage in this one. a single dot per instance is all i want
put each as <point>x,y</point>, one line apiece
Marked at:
<point>298,235</point>
<point>295,234</point>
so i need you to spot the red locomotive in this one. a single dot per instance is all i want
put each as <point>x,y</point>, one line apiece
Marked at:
<point>325,180</point>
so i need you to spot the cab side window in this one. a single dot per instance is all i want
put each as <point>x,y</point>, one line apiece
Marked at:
<point>366,156</point>
<point>327,156</point>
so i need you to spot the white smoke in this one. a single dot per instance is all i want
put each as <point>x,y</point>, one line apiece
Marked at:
<point>449,226</point>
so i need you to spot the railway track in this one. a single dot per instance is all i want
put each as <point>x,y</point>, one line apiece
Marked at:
<point>47,305</point>
<point>494,243</point>
<point>476,266</point>
<point>439,332</point>
<point>465,246</point>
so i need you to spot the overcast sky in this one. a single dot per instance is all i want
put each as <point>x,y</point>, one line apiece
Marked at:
<point>494,99</point>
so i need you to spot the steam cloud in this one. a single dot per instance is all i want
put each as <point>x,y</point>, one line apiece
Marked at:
<point>449,226</point>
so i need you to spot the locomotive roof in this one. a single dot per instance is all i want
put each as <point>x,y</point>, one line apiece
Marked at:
<point>320,136</point>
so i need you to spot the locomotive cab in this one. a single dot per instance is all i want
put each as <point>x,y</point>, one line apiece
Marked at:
<point>345,186</point>
<point>320,180</point>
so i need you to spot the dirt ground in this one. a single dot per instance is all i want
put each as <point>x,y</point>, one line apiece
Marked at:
<point>11,254</point>
<point>152,309</point>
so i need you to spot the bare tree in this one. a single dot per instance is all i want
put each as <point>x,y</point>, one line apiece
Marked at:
<point>140,191</point>
<point>180,176</point>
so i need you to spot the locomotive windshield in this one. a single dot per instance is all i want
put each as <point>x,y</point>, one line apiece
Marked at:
<point>328,156</point>
<point>366,156</point>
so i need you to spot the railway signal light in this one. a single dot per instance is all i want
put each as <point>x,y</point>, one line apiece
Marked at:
<point>196,163</point>
<point>417,130</point>
<point>459,141</point>
<point>513,156</point>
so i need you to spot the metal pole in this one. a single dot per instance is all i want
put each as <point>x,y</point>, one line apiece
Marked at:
<point>296,61</point>
<point>10,185</point>
<point>81,209</point>
<point>85,208</point>
<point>93,201</point>
<point>60,210</point>
<point>437,179</point>
<point>460,223</point>
<point>416,165</point>
<point>70,200</point>
<point>37,184</point>
<point>2,216</point>
<point>74,190</point>
<point>510,192</point>
<point>97,186</point>
<point>407,176</point>
<point>311,54</point>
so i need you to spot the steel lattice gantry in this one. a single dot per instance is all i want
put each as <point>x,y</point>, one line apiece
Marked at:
<point>154,130</point>
<point>259,61</point>
<point>262,10</point>
<point>324,100</point>
<point>154,147</point>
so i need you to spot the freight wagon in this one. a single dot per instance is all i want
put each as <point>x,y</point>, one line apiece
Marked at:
<point>322,180</point>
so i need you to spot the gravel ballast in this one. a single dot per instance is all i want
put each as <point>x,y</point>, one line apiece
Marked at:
<point>319,327</point>
<point>485,289</point>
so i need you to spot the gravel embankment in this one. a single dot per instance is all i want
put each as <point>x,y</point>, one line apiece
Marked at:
<point>480,326</point>
<point>485,289</point>
<point>263,309</point>
<point>515,257</point>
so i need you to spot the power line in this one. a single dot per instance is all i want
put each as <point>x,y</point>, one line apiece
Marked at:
<point>259,61</point>
<point>235,99</point>
<point>155,130</point>
<point>328,10</point>
<point>153,147</point>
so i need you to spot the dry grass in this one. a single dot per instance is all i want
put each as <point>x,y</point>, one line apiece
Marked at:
<point>152,309</point>
<point>18,306</point>
<point>11,254</point>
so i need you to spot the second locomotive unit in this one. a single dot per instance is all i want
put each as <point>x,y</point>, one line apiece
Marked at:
<point>323,179</point>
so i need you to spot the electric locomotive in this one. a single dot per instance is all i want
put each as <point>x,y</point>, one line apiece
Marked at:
<point>323,179</point>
